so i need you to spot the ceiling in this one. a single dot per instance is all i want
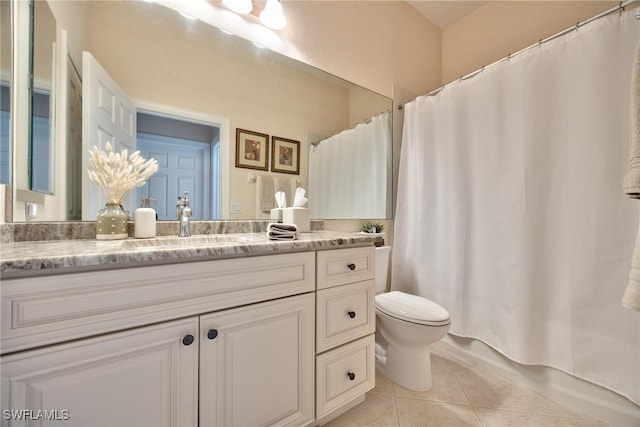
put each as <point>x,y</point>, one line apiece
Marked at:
<point>445,13</point>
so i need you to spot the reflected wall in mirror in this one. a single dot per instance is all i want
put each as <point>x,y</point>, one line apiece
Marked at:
<point>5,95</point>
<point>43,63</point>
<point>170,66</point>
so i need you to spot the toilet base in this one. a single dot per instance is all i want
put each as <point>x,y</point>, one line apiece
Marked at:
<point>410,368</point>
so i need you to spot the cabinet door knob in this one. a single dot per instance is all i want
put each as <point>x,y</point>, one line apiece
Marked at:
<point>351,376</point>
<point>351,266</point>
<point>351,314</point>
<point>188,340</point>
<point>212,334</point>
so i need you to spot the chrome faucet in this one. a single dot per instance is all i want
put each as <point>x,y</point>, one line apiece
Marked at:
<point>183,212</point>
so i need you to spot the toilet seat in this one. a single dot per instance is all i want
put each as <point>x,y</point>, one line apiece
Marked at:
<point>412,308</point>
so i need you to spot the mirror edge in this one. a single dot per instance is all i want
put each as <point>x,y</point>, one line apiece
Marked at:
<point>20,93</point>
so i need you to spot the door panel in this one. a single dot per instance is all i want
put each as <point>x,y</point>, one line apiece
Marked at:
<point>109,116</point>
<point>183,165</point>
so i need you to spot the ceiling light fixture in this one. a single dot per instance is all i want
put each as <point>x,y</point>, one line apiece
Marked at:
<point>239,6</point>
<point>272,16</point>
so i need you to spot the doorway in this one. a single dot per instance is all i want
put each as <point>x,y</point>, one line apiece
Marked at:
<point>188,156</point>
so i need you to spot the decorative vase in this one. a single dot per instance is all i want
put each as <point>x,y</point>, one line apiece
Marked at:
<point>112,223</point>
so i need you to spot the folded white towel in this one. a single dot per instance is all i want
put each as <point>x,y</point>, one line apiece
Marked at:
<point>631,183</point>
<point>266,189</point>
<point>287,186</point>
<point>268,186</point>
<point>278,231</point>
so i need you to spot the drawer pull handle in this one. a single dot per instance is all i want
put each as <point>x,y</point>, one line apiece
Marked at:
<point>351,314</point>
<point>212,334</point>
<point>351,376</point>
<point>188,340</point>
<point>351,266</point>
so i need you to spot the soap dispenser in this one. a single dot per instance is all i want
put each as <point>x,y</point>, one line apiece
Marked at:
<point>145,220</point>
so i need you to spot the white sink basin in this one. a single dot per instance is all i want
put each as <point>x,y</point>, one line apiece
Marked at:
<point>174,241</point>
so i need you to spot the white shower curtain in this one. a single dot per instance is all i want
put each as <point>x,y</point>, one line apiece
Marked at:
<point>510,212</point>
<point>348,172</point>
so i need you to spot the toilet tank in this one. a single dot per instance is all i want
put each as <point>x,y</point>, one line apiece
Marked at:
<point>382,267</point>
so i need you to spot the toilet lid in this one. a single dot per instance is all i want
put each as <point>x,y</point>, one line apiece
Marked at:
<point>412,308</point>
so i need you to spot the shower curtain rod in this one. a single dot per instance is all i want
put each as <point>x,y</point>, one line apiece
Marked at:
<point>619,8</point>
<point>366,121</point>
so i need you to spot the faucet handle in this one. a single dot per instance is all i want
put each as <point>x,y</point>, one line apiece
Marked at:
<point>185,199</point>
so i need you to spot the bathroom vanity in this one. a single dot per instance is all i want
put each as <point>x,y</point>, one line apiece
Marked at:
<point>210,330</point>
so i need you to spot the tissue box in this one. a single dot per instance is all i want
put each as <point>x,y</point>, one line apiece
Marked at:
<point>299,217</point>
<point>276,214</point>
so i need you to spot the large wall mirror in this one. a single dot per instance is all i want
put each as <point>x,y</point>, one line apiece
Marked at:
<point>5,89</point>
<point>190,90</point>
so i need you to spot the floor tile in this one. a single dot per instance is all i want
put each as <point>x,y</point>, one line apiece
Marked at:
<point>463,394</point>
<point>487,390</point>
<point>383,385</point>
<point>378,410</point>
<point>445,386</point>
<point>418,413</point>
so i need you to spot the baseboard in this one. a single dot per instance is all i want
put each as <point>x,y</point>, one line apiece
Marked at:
<point>581,395</point>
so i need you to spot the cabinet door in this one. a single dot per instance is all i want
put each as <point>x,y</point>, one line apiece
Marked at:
<point>257,364</point>
<point>141,377</point>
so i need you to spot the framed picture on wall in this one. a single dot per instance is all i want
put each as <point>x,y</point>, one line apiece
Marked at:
<point>252,150</point>
<point>285,155</point>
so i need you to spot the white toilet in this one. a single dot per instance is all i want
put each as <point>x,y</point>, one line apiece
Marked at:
<point>406,326</point>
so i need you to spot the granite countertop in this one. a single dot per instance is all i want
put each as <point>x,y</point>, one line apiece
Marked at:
<point>20,259</point>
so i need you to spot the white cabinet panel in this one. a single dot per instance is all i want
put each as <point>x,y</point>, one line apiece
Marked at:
<point>344,313</point>
<point>342,266</point>
<point>43,310</point>
<point>256,364</point>
<point>142,377</point>
<point>343,374</point>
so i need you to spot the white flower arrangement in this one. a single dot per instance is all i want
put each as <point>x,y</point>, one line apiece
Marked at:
<point>118,173</point>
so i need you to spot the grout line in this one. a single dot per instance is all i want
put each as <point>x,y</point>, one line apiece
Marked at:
<point>395,408</point>
<point>459,383</point>
<point>464,392</point>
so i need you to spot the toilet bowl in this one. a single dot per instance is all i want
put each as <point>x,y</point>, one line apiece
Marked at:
<point>406,326</point>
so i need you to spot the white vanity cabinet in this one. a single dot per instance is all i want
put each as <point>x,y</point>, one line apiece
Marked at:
<point>345,323</point>
<point>279,339</point>
<point>173,345</point>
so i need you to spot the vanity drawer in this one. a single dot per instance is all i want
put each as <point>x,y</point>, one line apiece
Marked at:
<point>44,310</point>
<point>341,266</point>
<point>343,374</point>
<point>344,313</point>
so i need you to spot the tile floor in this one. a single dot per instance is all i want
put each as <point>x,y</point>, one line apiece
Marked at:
<point>462,395</point>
